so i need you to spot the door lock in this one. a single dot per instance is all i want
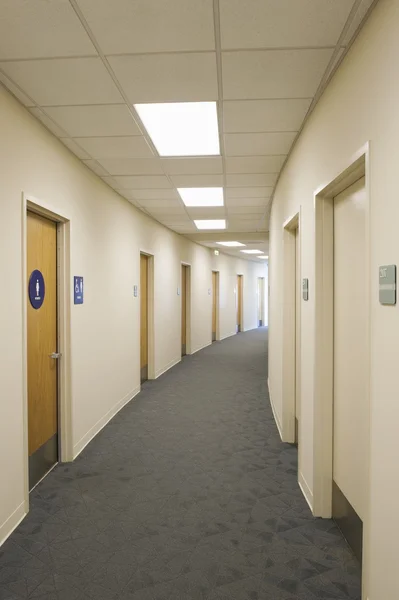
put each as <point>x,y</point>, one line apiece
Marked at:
<point>55,355</point>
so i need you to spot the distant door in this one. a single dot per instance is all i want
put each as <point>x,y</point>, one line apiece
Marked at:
<point>350,411</point>
<point>215,301</point>
<point>298,291</point>
<point>239,303</point>
<point>261,301</point>
<point>183,310</point>
<point>144,317</point>
<point>42,346</point>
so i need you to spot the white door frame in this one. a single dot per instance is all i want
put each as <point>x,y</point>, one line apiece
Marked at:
<point>217,304</point>
<point>65,444</point>
<point>289,329</point>
<point>188,305</point>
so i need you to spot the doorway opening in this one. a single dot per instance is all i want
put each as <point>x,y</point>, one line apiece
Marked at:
<point>239,301</point>
<point>261,301</point>
<point>185,308</point>
<point>215,305</point>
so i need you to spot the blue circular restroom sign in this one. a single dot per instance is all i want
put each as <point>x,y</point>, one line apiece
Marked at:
<point>37,289</point>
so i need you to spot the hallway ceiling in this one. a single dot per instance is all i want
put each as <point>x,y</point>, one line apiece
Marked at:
<point>80,65</point>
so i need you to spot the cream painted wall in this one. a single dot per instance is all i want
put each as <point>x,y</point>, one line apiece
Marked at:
<point>360,105</point>
<point>107,234</point>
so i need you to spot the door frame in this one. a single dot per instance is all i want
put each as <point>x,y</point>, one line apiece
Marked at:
<point>241,275</point>
<point>261,299</point>
<point>188,304</point>
<point>289,327</point>
<point>63,222</point>
<point>151,312</point>
<point>217,278</point>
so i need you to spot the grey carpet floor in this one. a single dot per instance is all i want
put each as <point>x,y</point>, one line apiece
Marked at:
<point>188,494</point>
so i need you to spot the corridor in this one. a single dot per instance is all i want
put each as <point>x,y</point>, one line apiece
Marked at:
<point>187,494</point>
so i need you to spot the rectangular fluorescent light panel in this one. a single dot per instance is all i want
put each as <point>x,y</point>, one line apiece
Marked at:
<point>252,251</point>
<point>182,128</point>
<point>265,257</point>
<point>206,196</point>
<point>230,244</point>
<point>210,223</point>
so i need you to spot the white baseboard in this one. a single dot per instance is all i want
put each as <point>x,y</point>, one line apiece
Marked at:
<point>12,522</point>
<point>224,337</point>
<point>275,415</point>
<point>306,491</point>
<point>86,439</point>
<point>201,347</point>
<point>172,363</point>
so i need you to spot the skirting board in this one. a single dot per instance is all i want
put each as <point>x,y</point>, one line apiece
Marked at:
<point>201,347</point>
<point>277,420</point>
<point>224,337</point>
<point>173,363</point>
<point>12,522</point>
<point>306,491</point>
<point>86,439</point>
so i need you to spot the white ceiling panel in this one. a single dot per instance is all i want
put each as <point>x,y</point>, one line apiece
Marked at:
<point>75,148</point>
<point>247,210</point>
<point>96,168</point>
<point>15,90</point>
<point>249,180</point>
<point>142,182</point>
<point>158,194</point>
<point>241,144</point>
<point>336,60</point>
<point>116,147</point>
<point>264,115</point>
<point>126,27</point>
<point>254,164</point>
<point>132,166</point>
<point>282,23</point>
<point>243,225</point>
<point>111,182</point>
<point>197,180</point>
<point>273,74</point>
<point>193,166</point>
<point>94,120</point>
<point>207,213</point>
<point>175,212</point>
<point>361,12</point>
<point>250,192</point>
<point>167,77</point>
<point>246,202</point>
<point>47,122</point>
<point>160,203</point>
<point>40,29</point>
<point>64,81</point>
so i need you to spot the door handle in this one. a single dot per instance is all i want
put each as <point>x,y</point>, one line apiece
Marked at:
<point>55,355</point>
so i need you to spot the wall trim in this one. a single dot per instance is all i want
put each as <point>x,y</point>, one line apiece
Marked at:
<point>201,347</point>
<point>12,522</point>
<point>101,423</point>
<point>275,415</point>
<point>305,489</point>
<point>163,370</point>
<point>224,337</point>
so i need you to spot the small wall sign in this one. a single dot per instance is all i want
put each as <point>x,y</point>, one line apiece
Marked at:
<point>305,289</point>
<point>77,289</point>
<point>37,289</point>
<point>135,291</point>
<point>387,281</point>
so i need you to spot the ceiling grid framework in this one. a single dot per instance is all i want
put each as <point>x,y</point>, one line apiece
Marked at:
<point>80,66</point>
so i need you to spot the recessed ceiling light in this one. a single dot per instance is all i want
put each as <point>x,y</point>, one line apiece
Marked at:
<point>182,128</point>
<point>206,196</point>
<point>265,257</point>
<point>230,244</point>
<point>252,251</point>
<point>210,223</point>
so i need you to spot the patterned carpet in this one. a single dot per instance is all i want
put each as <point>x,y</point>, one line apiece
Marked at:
<point>188,494</point>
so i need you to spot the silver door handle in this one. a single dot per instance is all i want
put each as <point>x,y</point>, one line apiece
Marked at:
<point>55,355</point>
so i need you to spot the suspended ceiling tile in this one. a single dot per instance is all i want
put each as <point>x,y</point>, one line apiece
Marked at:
<point>161,203</point>
<point>246,202</point>
<point>112,183</point>
<point>264,115</point>
<point>197,180</point>
<point>239,144</point>
<point>142,182</point>
<point>64,81</point>
<point>250,192</point>
<point>167,77</point>
<point>248,180</point>
<point>273,73</point>
<point>254,164</point>
<point>116,147</point>
<point>193,166</point>
<point>75,148</point>
<point>361,13</point>
<point>166,213</point>
<point>126,27</point>
<point>94,120</point>
<point>151,194</point>
<point>47,122</point>
<point>15,90</point>
<point>247,210</point>
<point>40,29</point>
<point>207,213</point>
<point>336,60</point>
<point>96,168</point>
<point>132,166</point>
<point>282,23</point>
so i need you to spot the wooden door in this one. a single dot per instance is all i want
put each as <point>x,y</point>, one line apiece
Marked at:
<point>183,310</point>
<point>143,317</point>
<point>42,343</point>
<point>239,303</point>
<point>215,293</point>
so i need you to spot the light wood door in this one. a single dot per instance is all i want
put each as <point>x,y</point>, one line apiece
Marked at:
<point>144,317</point>
<point>215,295</point>
<point>183,310</point>
<point>42,342</point>
<point>351,410</point>
<point>239,302</point>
